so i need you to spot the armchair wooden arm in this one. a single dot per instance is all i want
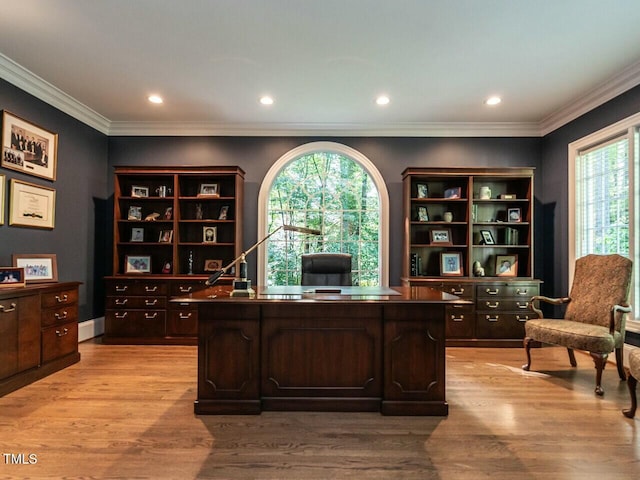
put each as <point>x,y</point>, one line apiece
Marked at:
<point>553,301</point>
<point>612,321</point>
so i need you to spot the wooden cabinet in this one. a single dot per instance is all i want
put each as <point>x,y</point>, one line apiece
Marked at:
<point>172,225</point>
<point>469,231</point>
<point>38,332</point>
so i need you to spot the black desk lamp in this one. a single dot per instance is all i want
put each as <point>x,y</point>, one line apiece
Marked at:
<point>241,285</point>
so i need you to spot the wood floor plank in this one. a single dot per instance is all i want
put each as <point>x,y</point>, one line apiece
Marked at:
<point>127,412</point>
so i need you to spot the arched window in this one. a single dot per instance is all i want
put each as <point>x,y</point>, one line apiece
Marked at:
<point>332,188</point>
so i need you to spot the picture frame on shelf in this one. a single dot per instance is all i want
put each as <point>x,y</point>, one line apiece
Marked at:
<point>453,193</point>
<point>137,234</point>
<point>139,191</point>
<point>137,264</point>
<point>166,236</point>
<point>422,190</point>
<point>2,197</point>
<point>28,148</point>
<point>212,265</point>
<point>209,234</point>
<point>514,215</point>
<point>487,237</point>
<point>507,265</point>
<point>134,213</point>
<point>423,214</point>
<point>209,190</point>
<point>12,277</point>
<point>38,267</point>
<point>224,210</point>
<point>440,236</point>
<point>32,205</point>
<point>451,264</point>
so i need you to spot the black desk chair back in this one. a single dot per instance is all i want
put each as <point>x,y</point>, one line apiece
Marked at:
<point>326,269</point>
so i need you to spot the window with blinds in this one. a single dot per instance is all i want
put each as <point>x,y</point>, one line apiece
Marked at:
<point>602,199</point>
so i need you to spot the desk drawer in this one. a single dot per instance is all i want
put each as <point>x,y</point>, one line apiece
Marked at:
<point>182,321</point>
<point>137,287</point>
<point>460,321</point>
<point>501,325</point>
<point>59,341</point>
<point>503,304</point>
<point>62,297</point>
<point>53,316</point>
<point>135,323</point>
<point>128,303</point>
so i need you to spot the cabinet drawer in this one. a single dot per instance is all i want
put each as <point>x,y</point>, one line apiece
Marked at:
<point>460,321</point>
<point>59,341</point>
<point>135,323</point>
<point>185,287</point>
<point>137,287</point>
<point>53,316</point>
<point>182,322</point>
<point>501,325</point>
<point>503,304</point>
<point>62,297</point>
<point>517,290</point>
<point>462,290</point>
<point>123,302</point>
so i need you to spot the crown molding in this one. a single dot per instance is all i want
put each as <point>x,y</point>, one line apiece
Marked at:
<point>48,93</point>
<point>505,129</point>
<point>614,86</point>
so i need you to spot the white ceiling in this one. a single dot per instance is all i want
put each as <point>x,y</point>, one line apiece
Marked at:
<point>324,62</point>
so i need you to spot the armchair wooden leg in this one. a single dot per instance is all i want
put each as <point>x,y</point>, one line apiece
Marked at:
<point>527,348</point>
<point>631,382</point>
<point>620,363</point>
<point>572,357</point>
<point>600,359</point>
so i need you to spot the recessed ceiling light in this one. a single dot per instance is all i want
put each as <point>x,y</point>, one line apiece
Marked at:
<point>382,100</point>
<point>266,100</point>
<point>155,98</point>
<point>493,100</point>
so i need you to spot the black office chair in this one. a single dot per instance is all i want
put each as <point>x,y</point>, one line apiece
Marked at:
<point>326,269</point>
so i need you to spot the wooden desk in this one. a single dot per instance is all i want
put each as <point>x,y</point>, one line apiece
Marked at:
<point>322,352</point>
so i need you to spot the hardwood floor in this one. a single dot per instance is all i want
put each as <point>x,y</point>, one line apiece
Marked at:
<point>127,412</point>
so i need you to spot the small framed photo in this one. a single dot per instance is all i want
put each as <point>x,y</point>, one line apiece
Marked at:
<point>455,192</point>
<point>224,210</point>
<point>137,234</point>
<point>422,190</point>
<point>11,277</point>
<point>211,265</point>
<point>451,264</point>
<point>32,205</point>
<point>507,196</point>
<point>440,236</point>
<point>209,190</point>
<point>209,234</point>
<point>28,148</point>
<point>487,237</point>
<point>137,264</point>
<point>513,215</point>
<point>38,268</point>
<point>423,215</point>
<point>138,191</point>
<point>135,213</point>
<point>2,196</point>
<point>165,236</point>
<point>507,265</point>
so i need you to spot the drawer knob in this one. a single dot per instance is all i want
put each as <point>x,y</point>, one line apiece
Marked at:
<point>121,301</point>
<point>150,316</point>
<point>150,303</point>
<point>185,289</point>
<point>121,289</point>
<point>62,333</point>
<point>62,299</point>
<point>492,305</point>
<point>61,317</point>
<point>184,316</point>
<point>4,309</point>
<point>151,289</point>
<point>492,292</point>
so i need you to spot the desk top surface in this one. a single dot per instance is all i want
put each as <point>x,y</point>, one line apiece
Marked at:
<point>222,293</point>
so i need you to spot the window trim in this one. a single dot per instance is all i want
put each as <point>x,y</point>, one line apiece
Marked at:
<point>333,147</point>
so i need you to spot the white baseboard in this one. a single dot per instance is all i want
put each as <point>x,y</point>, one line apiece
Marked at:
<point>90,329</point>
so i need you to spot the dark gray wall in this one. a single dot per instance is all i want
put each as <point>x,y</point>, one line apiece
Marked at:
<point>82,174</point>
<point>553,250</point>
<point>255,155</point>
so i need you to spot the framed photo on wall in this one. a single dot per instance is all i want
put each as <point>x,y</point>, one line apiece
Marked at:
<point>38,268</point>
<point>32,205</point>
<point>28,148</point>
<point>451,264</point>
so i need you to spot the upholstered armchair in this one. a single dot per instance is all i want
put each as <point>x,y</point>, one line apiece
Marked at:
<point>632,381</point>
<point>594,319</point>
<point>326,269</point>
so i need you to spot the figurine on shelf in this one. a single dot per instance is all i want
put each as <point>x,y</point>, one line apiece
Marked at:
<point>167,267</point>
<point>190,262</point>
<point>198,211</point>
<point>152,217</point>
<point>478,269</point>
<point>168,213</point>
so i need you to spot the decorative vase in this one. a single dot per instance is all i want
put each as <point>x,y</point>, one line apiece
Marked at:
<point>448,216</point>
<point>485,193</point>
